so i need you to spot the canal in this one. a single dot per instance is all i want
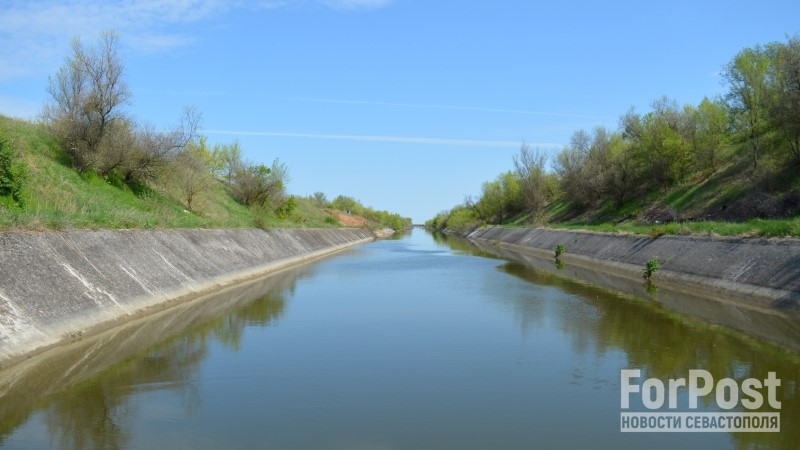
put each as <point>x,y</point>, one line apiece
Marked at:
<point>420,341</point>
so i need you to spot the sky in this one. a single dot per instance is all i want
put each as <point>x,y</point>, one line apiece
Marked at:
<point>406,105</point>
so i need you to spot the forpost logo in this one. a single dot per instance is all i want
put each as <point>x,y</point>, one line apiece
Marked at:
<point>657,396</point>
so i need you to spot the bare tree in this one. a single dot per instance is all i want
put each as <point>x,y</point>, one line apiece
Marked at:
<point>88,94</point>
<point>529,165</point>
<point>320,199</point>
<point>155,148</point>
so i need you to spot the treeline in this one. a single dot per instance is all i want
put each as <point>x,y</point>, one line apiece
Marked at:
<point>758,119</point>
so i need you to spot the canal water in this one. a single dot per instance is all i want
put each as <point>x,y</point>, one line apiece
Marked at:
<point>415,342</point>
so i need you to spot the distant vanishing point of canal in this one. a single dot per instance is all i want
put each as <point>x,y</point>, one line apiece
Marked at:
<point>415,342</point>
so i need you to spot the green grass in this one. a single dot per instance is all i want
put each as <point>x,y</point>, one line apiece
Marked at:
<point>753,227</point>
<point>58,197</point>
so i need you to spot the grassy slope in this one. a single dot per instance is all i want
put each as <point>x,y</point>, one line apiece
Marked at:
<point>60,197</point>
<point>723,204</point>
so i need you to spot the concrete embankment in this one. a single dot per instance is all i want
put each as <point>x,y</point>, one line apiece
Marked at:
<point>57,286</point>
<point>765,272</point>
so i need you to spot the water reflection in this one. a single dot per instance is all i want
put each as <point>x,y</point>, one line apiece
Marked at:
<point>96,379</point>
<point>663,343</point>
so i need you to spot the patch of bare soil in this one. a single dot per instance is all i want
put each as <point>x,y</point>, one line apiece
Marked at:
<point>348,220</point>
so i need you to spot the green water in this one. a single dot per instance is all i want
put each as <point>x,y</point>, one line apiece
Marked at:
<point>414,342</point>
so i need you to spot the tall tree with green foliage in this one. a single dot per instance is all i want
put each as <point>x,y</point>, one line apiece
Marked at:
<point>784,110</point>
<point>711,120</point>
<point>746,76</point>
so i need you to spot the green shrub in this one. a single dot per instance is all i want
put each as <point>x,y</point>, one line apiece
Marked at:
<point>330,220</point>
<point>560,250</point>
<point>13,173</point>
<point>462,220</point>
<point>650,268</point>
<point>287,208</point>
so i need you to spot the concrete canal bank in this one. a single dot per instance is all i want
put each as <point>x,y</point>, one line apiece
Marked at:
<point>765,272</point>
<point>59,286</point>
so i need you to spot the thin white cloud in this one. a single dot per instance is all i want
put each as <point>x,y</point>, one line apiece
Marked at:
<point>389,139</point>
<point>34,36</point>
<point>452,107</point>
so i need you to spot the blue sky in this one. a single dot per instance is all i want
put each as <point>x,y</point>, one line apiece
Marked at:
<point>407,105</point>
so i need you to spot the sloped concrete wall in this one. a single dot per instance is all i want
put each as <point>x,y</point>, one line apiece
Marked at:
<point>759,271</point>
<point>55,286</point>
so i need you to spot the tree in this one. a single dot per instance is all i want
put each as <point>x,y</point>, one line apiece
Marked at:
<point>711,119</point>
<point>529,165</point>
<point>746,75</point>
<point>623,171</point>
<point>345,203</point>
<point>320,199</point>
<point>259,185</point>
<point>192,175</point>
<point>491,206</point>
<point>227,160</point>
<point>511,186</point>
<point>569,166</point>
<point>784,110</point>
<point>88,94</point>
<point>582,166</point>
<point>153,149</point>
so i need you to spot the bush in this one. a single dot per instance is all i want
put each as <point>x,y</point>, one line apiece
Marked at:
<point>287,208</point>
<point>462,220</point>
<point>13,173</point>
<point>560,250</point>
<point>330,220</point>
<point>650,268</point>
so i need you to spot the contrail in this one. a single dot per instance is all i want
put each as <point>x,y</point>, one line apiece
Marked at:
<point>377,138</point>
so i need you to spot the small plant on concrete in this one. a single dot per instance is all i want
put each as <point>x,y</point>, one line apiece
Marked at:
<point>559,250</point>
<point>651,267</point>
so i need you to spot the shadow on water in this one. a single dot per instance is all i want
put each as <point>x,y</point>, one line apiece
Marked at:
<point>82,391</point>
<point>665,334</point>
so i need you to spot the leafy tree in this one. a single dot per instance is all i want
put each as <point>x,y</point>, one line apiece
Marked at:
<point>227,160</point>
<point>784,109</point>
<point>192,174</point>
<point>711,119</point>
<point>345,203</point>
<point>624,171</point>
<point>491,205</point>
<point>746,75</point>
